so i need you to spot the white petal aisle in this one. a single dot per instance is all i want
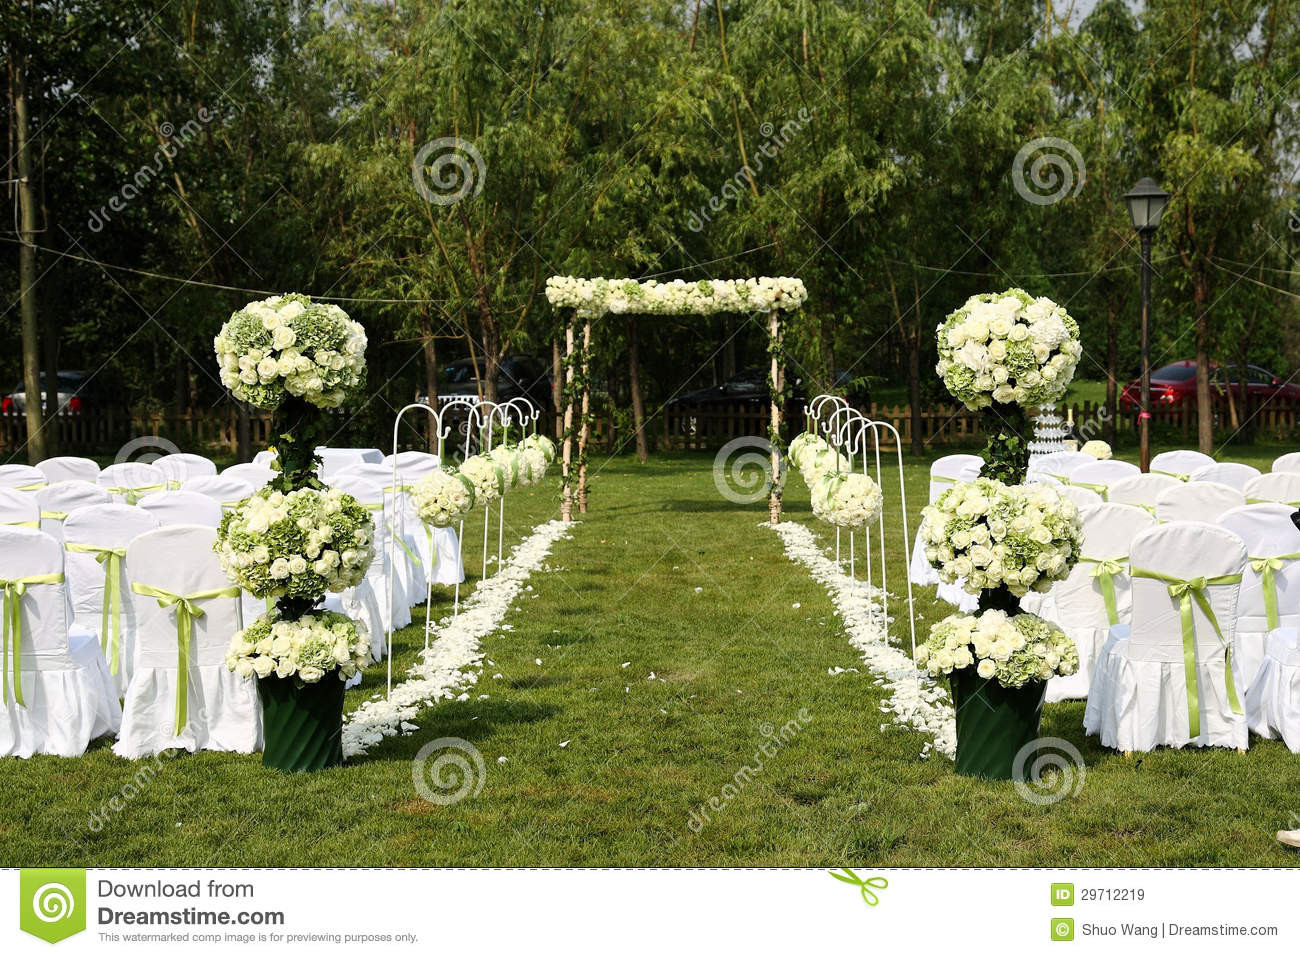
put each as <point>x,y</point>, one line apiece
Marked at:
<point>452,662</point>
<point>914,699</point>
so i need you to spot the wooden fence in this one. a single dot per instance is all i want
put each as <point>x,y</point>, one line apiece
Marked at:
<point>706,427</point>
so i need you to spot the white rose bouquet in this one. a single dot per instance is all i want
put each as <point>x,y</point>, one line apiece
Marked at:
<point>846,499</point>
<point>291,346</point>
<point>542,443</point>
<point>300,544</point>
<point>306,648</point>
<point>443,497</point>
<point>532,465</point>
<point>486,476</point>
<point>1008,347</point>
<point>1097,449</point>
<point>802,443</point>
<point>1021,536</point>
<point>506,459</point>
<point>816,461</point>
<point>1011,650</point>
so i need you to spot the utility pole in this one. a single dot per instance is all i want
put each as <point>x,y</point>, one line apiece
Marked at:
<point>27,260</point>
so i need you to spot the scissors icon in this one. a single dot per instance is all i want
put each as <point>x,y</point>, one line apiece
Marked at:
<point>868,895</point>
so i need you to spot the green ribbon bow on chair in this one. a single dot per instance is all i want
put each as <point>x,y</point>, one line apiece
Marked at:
<point>13,590</point>
<point>1187,590</point>
<point>53,515</point>
<point>186,612</point>
<point>111,559</point>
<point>31,487</point>
<point>1181,476</point>
<point>31,523</point>
<point>1267,569</point>
<point>132,492</point>
<point>1271,501</point>
<point>1102,490</point>
<point>1105,572</point>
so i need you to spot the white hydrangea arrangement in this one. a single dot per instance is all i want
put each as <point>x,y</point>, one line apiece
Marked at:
<point>600,296</point>
<point>814,462</point>
<point>299,544</point>
<point>290,346</point>
<point>307,648</point>
<point>846,499</point>
<point>443,498</point>
<point>1012,650</point>
<point>990,534</point>
<point>486,476</point>
<point>1097,449</point>
<point>1009,348</point>
<point>542,443</point>
<point>802,443</point>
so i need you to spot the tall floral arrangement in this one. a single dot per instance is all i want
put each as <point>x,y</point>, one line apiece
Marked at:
<point>295,540</point>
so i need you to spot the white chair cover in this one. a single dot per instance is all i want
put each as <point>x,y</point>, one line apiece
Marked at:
<point>438,548</point>
<point>221,711</point>
<point>131,481</point>
<point>68,468</point>
<point>19,508</point>
<point>255,473</point>
<point>60,499</point>
<point>1290,462</point>
<point>1061,465</point>
<point>1079,604</point>
<point>1100,476</point>
<point>1233,474</point>
<point>401,517</point>
<point>87,533</point>
<point>1141,490</point>
<point>1139,697</point>
<point>226,490</point>
<point>22,478</point>
<point>1197,502</point>
<point>1080,496</point>
<point>335,460</point>
<point>1269,534</point>
<point>1274,487</point>
<point>68,697</point>
<point>1179,464</point>
<point>182,508</point>
<point>945,472</point>
<point>1273,702</point>
<point>264,458</point>
<point>373,593</point>
<point>180,466</point>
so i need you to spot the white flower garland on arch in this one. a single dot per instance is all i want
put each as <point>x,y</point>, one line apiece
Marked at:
<point>452,661</point>
<point>914,699</point>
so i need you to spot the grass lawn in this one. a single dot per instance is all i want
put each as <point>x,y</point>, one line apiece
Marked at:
<point>662,577</point>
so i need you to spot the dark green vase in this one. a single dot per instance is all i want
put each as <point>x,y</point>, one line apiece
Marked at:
<point>994,723</point>
<point>302,727</point>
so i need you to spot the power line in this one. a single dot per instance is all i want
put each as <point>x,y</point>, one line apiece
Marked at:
<point>1232,272</point>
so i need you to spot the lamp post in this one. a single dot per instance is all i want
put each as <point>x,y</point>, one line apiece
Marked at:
<point>1146,204</point>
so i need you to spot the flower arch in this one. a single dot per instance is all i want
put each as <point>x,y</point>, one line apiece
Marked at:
<point>582,300</point>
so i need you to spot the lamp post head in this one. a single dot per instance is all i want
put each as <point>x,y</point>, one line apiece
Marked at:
<point>1146,204</point>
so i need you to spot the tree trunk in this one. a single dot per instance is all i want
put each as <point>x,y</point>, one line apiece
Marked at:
<point>584,433</point>
<point>36,449</point>
<point>634,383</point>
<point>557,387</point>
<point>430,349</point>
<point>1112,361</point>
<point>1204,403</point>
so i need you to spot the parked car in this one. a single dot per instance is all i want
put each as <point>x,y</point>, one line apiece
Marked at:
<point>75,395</point>
<point>1176,383</point>
<point>521,375</point>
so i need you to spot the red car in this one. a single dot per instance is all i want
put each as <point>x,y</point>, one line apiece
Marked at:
<point>1177,383</point>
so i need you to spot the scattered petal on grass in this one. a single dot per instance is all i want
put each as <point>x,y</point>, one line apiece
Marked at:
<point>565,744</point>
<point>502,760</point>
